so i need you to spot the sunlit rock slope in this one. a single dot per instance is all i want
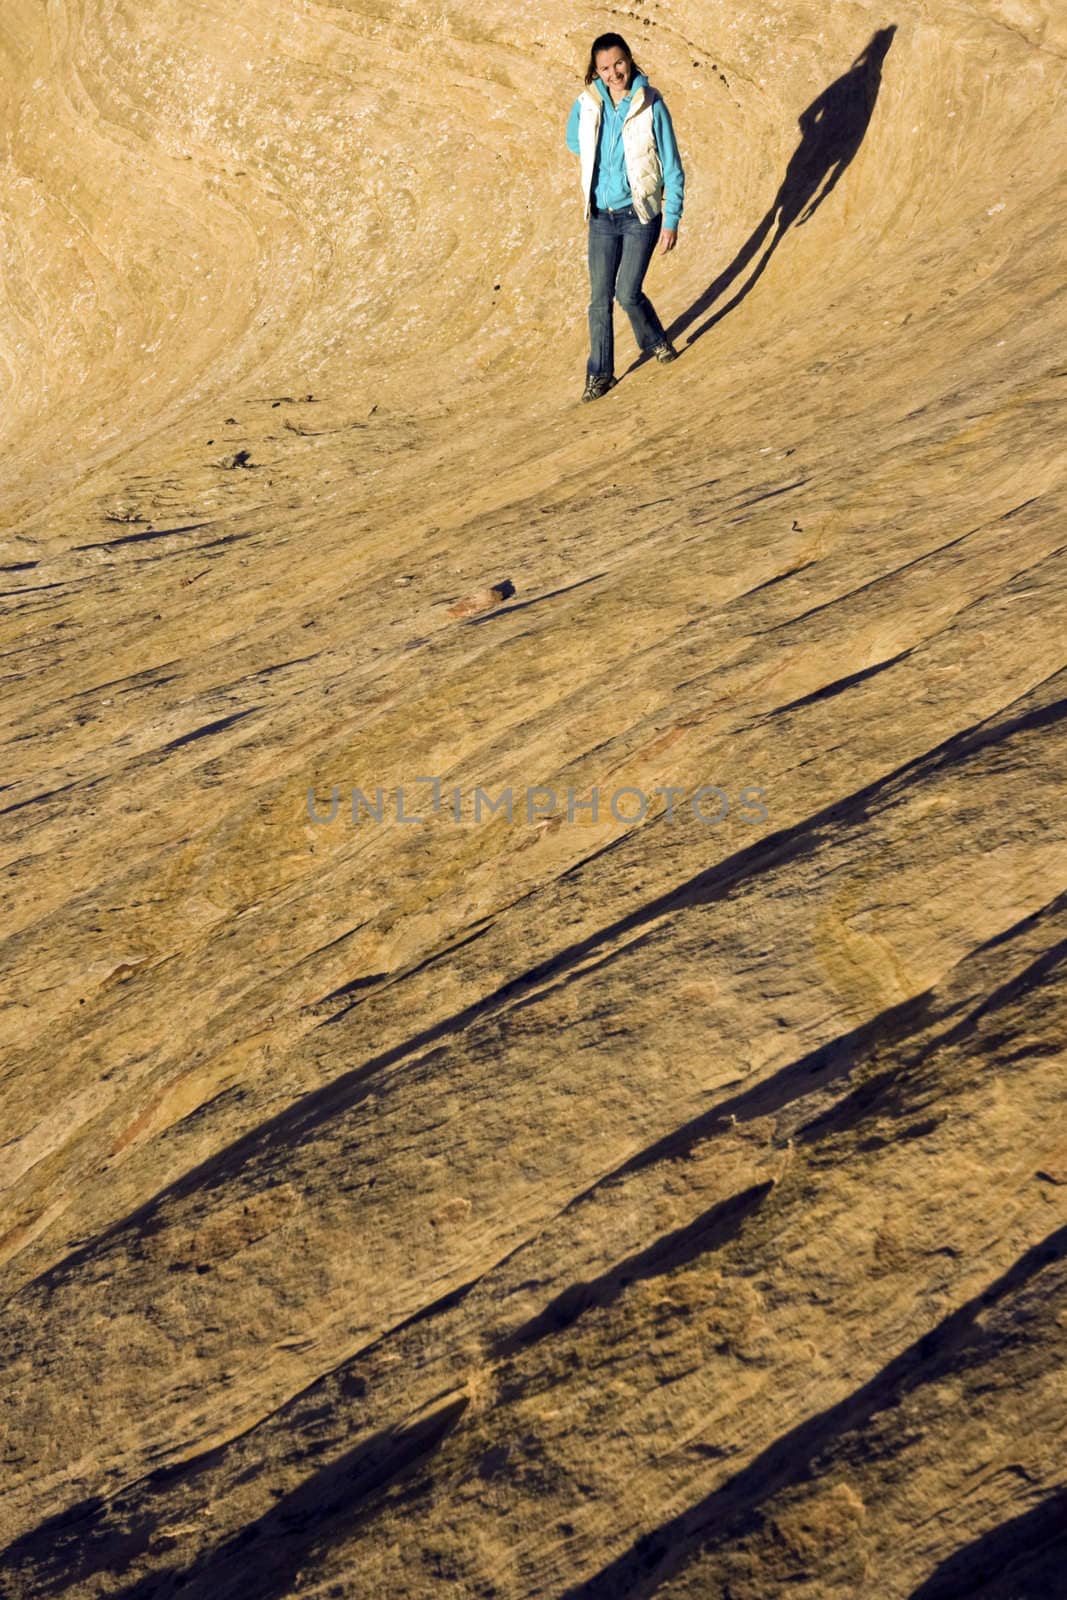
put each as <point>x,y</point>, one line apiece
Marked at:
<point>666,1201</point>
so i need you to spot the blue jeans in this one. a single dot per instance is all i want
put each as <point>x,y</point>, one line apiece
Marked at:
<point>620,249</point>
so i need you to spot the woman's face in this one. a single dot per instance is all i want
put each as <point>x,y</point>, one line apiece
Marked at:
<point>614,70</point>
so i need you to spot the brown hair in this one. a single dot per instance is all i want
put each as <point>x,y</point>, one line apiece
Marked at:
<point>610,41</point>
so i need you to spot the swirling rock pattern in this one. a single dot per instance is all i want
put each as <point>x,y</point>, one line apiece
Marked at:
<point>641,1200</point>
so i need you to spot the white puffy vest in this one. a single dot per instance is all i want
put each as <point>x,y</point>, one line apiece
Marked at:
<point>643,166</point>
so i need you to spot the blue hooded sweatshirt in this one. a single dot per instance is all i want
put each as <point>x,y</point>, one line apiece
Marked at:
<point>611,186</point>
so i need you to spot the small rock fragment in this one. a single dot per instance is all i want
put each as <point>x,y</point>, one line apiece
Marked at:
<point>239,458</point>
<point>453,1211</point>
<point>482,599</point>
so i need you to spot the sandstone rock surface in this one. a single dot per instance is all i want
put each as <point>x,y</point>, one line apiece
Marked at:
<point>655,1187</point>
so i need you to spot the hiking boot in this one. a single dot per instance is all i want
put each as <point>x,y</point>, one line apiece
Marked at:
<point>665,351</point>
<point>598,384</point>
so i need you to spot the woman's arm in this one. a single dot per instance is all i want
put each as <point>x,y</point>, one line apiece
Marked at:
<point>572,127</point>
<point>673,171</point>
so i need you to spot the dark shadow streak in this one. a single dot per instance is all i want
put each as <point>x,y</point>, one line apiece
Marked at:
<point>829,690</point>
<point>37,588</point>
<point>208,727</point>
<point>140,538</point>
<point>897,1027</point>
<point>1027,1554</point>
<point>48,794</point>
<point>956,1343</point>
<point>297,1124</point>
<point>390,978</point>
<point>893,1028</point>
<point>354,985</point>
<point>506,611</point>
<point>882,1095</point>
<point>710,1231</point>
<point>263,1559</point>
<point>213,544</point>
<point>767,494</point>
<point>769,583</point>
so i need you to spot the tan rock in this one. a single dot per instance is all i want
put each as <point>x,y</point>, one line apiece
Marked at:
<point>554,1205</point>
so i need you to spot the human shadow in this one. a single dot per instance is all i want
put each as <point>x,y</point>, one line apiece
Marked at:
<point>832,129</point>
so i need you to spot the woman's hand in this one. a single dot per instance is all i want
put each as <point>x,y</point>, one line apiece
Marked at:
<point>667,239</point>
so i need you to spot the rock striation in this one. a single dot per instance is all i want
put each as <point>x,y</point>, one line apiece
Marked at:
<point>545,1088</point>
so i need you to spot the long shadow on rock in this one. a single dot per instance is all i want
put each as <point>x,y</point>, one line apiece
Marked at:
<point>832,128</point>
<point>1026,1555</point>
<point>711,1230</point>
<point>252,1154</point>
<point>261,1560</point>
<point>959,1342</point>
<point>895,1097</point>
<point>265,1558</point>
<point>72,1546</point>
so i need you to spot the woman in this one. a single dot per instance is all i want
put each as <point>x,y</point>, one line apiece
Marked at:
<point>634,185</point>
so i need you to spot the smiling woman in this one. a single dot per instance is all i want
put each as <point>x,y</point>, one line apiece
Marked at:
<point>634,185</point>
